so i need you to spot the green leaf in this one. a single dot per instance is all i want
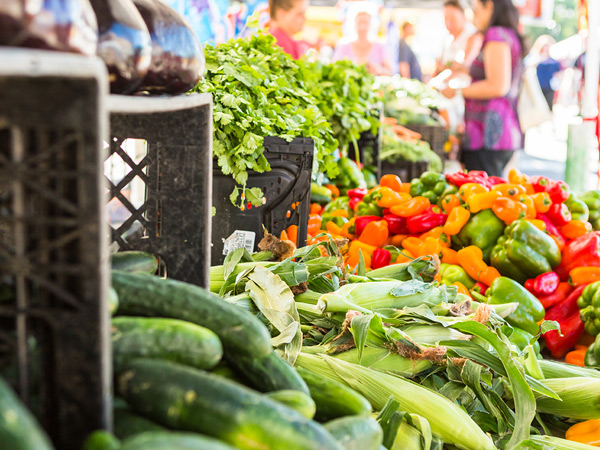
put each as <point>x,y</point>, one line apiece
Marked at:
<point>410,288</point>
<point>360,330</point>
<point>361,271</point>
<point>549,325</point>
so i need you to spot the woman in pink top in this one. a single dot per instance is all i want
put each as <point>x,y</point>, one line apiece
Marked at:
<point>363,51</point>
<point>287,19</point>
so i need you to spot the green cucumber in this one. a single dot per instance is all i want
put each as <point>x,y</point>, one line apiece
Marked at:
<point>319,194</point>
<point>356,432</point>
<point>240,332</point>
<point>170,339</point>
<point>188,399</point>
<point>113,301</point>
<point>168,440</point>
<point>298,401</point>
<point>101,440</point>
<point>18,428</point>
<point>267,374</point>
<point>127,423</point>
<point>135,262</point>
<point>333,399</point>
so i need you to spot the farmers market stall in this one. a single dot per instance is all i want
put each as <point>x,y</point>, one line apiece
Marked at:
<point>369,311</point>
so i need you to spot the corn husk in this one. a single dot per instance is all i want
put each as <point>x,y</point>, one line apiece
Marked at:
<point>580,398</point>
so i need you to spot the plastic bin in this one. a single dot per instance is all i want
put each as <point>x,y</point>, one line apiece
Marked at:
<point>435,135</point>
<point>54,321</point>
<point>160,185</point>
<point>406,170</point>
<point>369,145</point>
<point>286,184</point>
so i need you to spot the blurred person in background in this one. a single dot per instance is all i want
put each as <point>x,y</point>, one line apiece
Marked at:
<point>492,130</point>
<point>464,41</point>
<point>409,65</point>
<point>547,67</point>
<point>287,19</point>
<point>364,51</point>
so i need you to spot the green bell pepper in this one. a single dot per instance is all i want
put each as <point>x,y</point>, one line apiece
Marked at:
<point>592,200</point>
<point>592,356</point>
<point>579,210</point>
<point>482,230</point>
<point>451,273</point>
<point>521,339</point>
<point>589,304</point>
<point>368,205</point>
<point>417,187</point>
<point>430,179</point>
<point>430,185</point>
<point>342,202</point>
<point>370,177</point>
<point>525,252</point>
<point>431,196</point>
<point>350,175</point>
<point>529,312</point>
<point>338,220</point>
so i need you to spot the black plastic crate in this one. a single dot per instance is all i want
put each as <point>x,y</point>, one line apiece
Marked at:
<point>159,170</point>
<point>285,185</point>
<point>54,321</point>
<point>435,135</point>
<point>406,170</point>
<point>369,145</point>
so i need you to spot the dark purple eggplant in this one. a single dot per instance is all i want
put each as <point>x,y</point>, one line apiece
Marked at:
<point>61,25</point>
<point>177,55</point>
<point>124,44</point>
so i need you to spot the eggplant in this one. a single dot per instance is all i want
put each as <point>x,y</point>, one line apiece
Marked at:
<point>61,25</point>
<point>177,55</point>
<point>124,44</point>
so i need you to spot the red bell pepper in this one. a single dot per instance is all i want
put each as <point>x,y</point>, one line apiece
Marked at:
<point>460,178</point>
<point>561,292</point>
<point>396,224</point>
<point>480,288</point>
<point>559,192</point>
<point>550,227</point>
<point>559,214</point>
<point>353,202</point>
<point>545,284</point>
<point>358,193</point>
<point>529,285</point>
<point>433,209</point>
<point>380,258</point>
<point>425,222</point>
<point>497,180</point>
<point>540,183</point>
<point>581,252</point>
<point>361,222</point>
<point>566,313</point>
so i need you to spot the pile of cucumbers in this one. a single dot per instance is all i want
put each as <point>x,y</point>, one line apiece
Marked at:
<point>193,371</point>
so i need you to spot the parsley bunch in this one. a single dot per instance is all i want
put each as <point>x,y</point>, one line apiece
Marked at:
<point>346,96</point>
<point>257,91</point>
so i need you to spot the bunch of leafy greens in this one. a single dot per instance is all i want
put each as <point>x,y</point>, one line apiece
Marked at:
<point>258,91</point>
<point>396,87</point>
<point>394,149</point>
<point>345,94</point>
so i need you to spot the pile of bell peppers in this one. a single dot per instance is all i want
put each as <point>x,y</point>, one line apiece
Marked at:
<point>491,236</point>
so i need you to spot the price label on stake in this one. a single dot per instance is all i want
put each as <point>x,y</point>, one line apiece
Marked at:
<point>239,239</point>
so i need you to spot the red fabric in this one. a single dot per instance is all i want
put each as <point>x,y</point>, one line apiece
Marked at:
<point>292,47</point>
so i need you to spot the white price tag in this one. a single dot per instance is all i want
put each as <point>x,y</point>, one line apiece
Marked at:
<point>239,239</point>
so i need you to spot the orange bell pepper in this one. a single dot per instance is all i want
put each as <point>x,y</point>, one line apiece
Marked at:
<point>587,432</point>
<point>584,275</point>
<point>356,246</point>
<point>315,208</point>
<point>375,233</point>
<point>450,202</point>
<point>391,181</point>
<point>405,187</point>
<point>576,228</point>
<point>512,191</point>
<point>340,213</point>
<point>462,289</point>
<point>449,256</point>
<point>488,276</point>
<point>292,232</point>
<point>346,229</point>
<point>471,259</point>
<point>576,357</point>
<point>530,211</point>
<point>413,245</point>
<point>431,246</point>
<point>467,190</point>
<point>559,241</point>
<point>413,207</point>
<point>314,224</point>
<point>335,192</point>
<point>283,236</point>
<point>542,202</point>
<point>334,229</point>
<point>438,233</point>
<point>485,200</point>
<point>516,177</point>
<point>397,240</point>
<point>404,256</point>
<point>529,190</point>
<point>508,210</point>
<point>457,219</point>
<point>539,224</point>
<point>391,198</point>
